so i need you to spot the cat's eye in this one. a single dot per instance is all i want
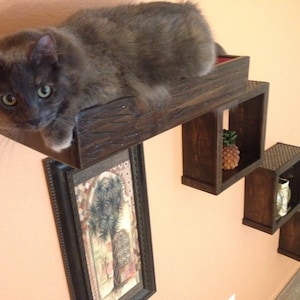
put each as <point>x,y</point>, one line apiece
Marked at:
<point>44,91</point>
<point>9,100</point>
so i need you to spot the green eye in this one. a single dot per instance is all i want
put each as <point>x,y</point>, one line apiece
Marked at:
<point>9,100</point>
<point>44,91</point>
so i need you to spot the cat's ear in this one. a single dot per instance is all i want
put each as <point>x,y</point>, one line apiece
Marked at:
<point>44,50</point>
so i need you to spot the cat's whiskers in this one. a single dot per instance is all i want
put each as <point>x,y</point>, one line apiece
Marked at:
<point>6,150</point>
<point>65,121</point>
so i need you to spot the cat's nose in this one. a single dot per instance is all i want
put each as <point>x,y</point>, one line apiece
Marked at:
<point>34,122</point>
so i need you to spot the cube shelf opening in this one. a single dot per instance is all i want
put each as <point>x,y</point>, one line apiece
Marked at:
<point>203,141</point>
<point>260,209</point>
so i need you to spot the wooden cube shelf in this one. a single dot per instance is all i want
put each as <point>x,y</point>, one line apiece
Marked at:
<point>260,209</point>
<point>289,238</point>
<point>203,140</point>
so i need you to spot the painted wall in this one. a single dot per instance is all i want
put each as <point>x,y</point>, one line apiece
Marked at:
<point>202,250</point>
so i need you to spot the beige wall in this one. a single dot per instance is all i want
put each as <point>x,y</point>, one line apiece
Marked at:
<point>202,250</point>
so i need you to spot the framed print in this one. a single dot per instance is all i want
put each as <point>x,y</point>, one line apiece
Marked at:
<point>102,220</point>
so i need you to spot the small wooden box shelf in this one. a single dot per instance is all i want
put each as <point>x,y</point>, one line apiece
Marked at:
<point>289,239</point>
<point>203,140</point>
<point>260,209</point>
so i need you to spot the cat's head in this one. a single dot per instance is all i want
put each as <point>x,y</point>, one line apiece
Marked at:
<point>33,87</point>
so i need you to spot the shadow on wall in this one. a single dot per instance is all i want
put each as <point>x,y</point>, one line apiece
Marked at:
<point>34,14</point>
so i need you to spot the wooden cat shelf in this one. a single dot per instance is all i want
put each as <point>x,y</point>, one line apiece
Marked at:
<point>105,130</point>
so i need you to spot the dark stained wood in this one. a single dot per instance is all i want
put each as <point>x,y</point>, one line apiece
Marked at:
<point>200,151</point>
<point>249,121</point>
<point>105,130</point>
<point>260,187</point>
<point>289,239</point>
<point>203,140</point>
<point>281,160</point>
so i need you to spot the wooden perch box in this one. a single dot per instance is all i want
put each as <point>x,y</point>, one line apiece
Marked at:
<point>202,140</point>
<point>260,210</point>
<point>105,130</point>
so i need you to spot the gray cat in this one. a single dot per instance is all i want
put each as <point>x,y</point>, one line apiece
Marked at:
<point>48,76</point>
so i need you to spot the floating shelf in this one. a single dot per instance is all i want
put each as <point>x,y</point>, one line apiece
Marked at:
<point>203,140</point>
<point>105,130</point>
<point>260,210</point>
<point>289,238</point>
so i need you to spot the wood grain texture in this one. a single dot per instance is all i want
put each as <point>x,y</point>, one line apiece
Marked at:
<point>203,140</point>
<point>260,208</point>
<point>289,239</point>
<point>105,130</point>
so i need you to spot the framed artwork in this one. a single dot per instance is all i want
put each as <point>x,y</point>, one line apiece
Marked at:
<point>102,220</point>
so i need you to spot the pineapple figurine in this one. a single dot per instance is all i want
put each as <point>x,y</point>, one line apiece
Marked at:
<point>231,153</point>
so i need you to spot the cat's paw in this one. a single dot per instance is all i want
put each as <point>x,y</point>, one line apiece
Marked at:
<point>57,138</point>
<point>156,97</point>
<point>58,147</point>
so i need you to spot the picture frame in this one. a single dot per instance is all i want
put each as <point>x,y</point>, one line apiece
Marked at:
<point>103,224</point>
